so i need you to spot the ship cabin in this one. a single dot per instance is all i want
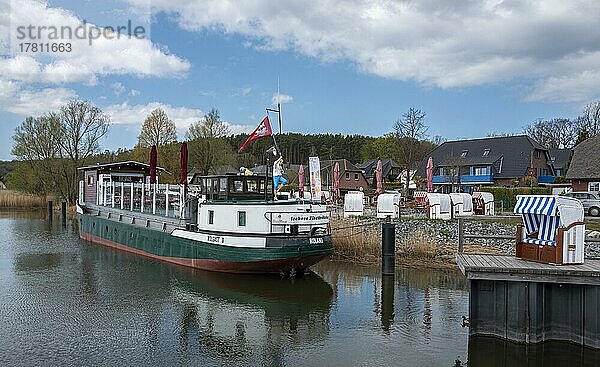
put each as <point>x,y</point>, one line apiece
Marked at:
<point>234,187</point>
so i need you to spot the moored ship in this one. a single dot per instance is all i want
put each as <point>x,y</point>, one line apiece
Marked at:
<point>227,223</point>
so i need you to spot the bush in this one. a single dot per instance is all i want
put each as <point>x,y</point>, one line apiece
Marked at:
<point>506,197</point>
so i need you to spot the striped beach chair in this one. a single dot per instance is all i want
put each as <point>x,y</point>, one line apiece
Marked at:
<point>552,230</point>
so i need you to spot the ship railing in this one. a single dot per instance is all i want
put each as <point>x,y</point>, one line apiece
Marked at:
<point>157,199</point>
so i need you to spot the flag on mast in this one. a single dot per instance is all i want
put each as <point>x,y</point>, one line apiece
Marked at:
<point>263,129</point>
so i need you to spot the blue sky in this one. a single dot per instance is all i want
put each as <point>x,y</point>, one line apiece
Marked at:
<point>351,67</point>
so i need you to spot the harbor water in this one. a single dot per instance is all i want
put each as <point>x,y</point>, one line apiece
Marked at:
<point>67,302</point>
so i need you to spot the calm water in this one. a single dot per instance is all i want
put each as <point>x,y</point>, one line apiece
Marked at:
<point>66,302</point>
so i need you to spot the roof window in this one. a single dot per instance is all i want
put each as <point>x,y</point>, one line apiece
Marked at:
<point>464,153</point>
<point>486,152</point>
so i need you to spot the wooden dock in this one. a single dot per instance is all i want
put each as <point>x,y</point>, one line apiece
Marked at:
<point>530,302</point>
<point>504,267</point>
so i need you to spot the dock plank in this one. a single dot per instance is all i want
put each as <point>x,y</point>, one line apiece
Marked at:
<point>482,266</point>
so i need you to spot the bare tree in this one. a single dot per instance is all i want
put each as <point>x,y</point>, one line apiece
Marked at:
<point>559,133</point>
<point>157,129</point>
<point>57,143</point>
<point>208,147</point>
<point>409,131</point>
<point>588,124</point>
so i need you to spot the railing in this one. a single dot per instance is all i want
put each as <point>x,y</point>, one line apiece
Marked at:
<point>462,235</point>
<point>546,179</point>
<point>463,179</point>
<point>165,200</point>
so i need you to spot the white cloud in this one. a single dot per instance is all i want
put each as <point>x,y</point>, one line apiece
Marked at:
<point>434,43</point>
<point>85,63</point>
<point>281,98</point>
<point>134,93</point>
<point>183,117</point>
<point>29,102</point>
<point>118,88</point>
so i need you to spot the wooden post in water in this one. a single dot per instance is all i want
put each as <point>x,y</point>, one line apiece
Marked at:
<point>63,213</point>
<point>50,206</point>
<point>388,248</point>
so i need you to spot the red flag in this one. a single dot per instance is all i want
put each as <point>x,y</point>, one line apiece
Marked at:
<point>263,129</point>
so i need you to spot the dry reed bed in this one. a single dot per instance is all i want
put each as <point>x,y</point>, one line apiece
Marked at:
<point>360,241</point>
<point>16,200</point>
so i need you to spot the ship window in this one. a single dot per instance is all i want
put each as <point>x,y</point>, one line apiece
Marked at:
<point>242,219</point>
<point>238,186</point>
<point>90,180</point>
<point>537,154</point>
<point>347,176</point>
<point>223,185</point>
<point>252,185</point>
<point>211,217</point>
<point>356,176</point>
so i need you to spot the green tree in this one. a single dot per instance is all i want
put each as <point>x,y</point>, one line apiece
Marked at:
<point>157,129</point>
<point>208,146</point>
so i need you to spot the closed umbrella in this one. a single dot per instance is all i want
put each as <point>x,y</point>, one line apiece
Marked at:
<point>153,157</point>
<point>301,182</point>
<point>336,180</point>
<point>183,164</point>
<point>379,177</point>
<point>430,174</point>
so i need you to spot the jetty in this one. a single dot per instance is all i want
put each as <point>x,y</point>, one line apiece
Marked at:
<point>532,302</point>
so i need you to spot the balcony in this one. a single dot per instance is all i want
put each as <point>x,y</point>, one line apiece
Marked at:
<point>546,179</point>
<point>465,179</point>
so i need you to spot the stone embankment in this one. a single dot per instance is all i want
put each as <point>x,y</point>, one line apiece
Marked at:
<point>430,239</point>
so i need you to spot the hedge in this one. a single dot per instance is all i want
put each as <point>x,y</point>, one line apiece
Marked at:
<point>506,197</point>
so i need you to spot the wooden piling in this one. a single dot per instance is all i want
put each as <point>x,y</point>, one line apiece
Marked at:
<point>388,248</point>
<point>50,208</point>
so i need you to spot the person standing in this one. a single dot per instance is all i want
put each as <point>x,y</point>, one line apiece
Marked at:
<point>278,180</point>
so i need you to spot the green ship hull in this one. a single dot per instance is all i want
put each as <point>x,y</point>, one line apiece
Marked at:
<point>287,253</point>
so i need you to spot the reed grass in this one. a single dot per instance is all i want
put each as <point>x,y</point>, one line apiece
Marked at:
<point>360,241</point>
<point>17,200</point>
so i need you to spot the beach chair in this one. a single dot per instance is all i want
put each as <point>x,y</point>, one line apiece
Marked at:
<point>462,204</point>
<point>354,204</point>
<point>552,232</point>
<point>483,203</point>
<point>439,206</point>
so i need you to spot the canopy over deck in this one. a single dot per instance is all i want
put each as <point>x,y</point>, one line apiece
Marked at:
<point>569,210</point>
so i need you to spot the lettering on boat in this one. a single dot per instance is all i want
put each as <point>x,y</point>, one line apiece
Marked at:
<point>300,218</point>
<point>314,241</point>
<point>215,239</point>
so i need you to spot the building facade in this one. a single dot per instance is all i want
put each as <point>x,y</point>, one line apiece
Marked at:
<point>466,165</point>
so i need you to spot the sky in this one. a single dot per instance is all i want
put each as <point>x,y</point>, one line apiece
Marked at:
<point>351,67</point>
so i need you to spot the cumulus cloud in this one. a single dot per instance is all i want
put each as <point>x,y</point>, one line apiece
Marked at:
<point>434,43</point>
<point>17,99</point>
<point>281,98</point>
<point>85,63</point>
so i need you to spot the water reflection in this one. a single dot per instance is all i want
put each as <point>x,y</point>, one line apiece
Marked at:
<point>37,262</point>
<point>65,301</point>
<point>494,352</point>
<point>231,316</point>
<point>387,301</point>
